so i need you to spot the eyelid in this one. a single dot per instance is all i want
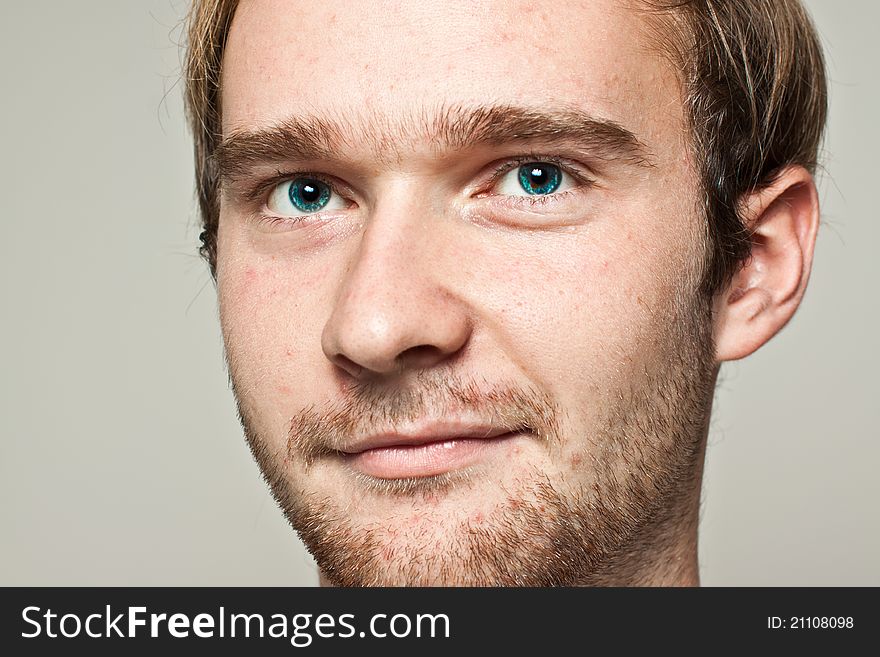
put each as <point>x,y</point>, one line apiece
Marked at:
<point>261,189</point>
<point>581,174</point>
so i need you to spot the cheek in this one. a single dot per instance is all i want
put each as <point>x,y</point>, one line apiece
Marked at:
<point>580,316</point>
<point>568,299</point>
<point>268,327</point>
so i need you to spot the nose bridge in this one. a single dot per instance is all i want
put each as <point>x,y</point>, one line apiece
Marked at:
<point>392,258</point>
<point>392,239</point>
<point>393,307</point>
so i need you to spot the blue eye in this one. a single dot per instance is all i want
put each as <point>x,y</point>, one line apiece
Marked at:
<point>302,196</point>
<point>539,178</point>
<point>534,179</point>
<point>308,194</point>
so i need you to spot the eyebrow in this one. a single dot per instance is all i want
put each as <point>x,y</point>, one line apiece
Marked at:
<point>455,128</point>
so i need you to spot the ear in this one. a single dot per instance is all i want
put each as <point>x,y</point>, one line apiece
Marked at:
<point>767,289</point>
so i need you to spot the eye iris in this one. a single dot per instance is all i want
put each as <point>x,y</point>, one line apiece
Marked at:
<point>539,178</point>
<point>308,194</point>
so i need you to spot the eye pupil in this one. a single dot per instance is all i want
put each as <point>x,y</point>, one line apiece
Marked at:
<point>308,194</point>
<point>540,178</point>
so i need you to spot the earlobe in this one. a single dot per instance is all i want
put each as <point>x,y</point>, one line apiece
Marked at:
<point>765,292</point>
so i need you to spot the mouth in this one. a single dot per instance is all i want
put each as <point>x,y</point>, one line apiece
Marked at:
<point>432,451</point>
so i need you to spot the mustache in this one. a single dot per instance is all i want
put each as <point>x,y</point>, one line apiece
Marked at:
<point>322,430</point>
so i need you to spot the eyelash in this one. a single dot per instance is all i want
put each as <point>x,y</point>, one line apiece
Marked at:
<point>261,190</point>
<point>568,167</point>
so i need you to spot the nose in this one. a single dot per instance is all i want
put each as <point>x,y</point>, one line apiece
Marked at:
<point>395,308</point>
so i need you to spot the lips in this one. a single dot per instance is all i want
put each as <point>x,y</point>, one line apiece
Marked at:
<point>426,433</point>
<point>426,449</point>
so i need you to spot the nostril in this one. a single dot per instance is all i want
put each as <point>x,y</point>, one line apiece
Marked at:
<point>422,355</point>
<point>419,357</point>
<point>347,364</point>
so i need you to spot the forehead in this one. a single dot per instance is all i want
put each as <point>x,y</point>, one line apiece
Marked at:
<point>383,59</point>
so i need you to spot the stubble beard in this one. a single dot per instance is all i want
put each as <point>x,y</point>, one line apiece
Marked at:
<point>646,458</point>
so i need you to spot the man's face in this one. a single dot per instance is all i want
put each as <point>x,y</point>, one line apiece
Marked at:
<point>485,223</point>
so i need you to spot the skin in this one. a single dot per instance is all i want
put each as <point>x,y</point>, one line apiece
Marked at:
<point>427,278</point>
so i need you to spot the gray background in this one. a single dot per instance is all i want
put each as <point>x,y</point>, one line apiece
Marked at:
<point>122,461</point>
